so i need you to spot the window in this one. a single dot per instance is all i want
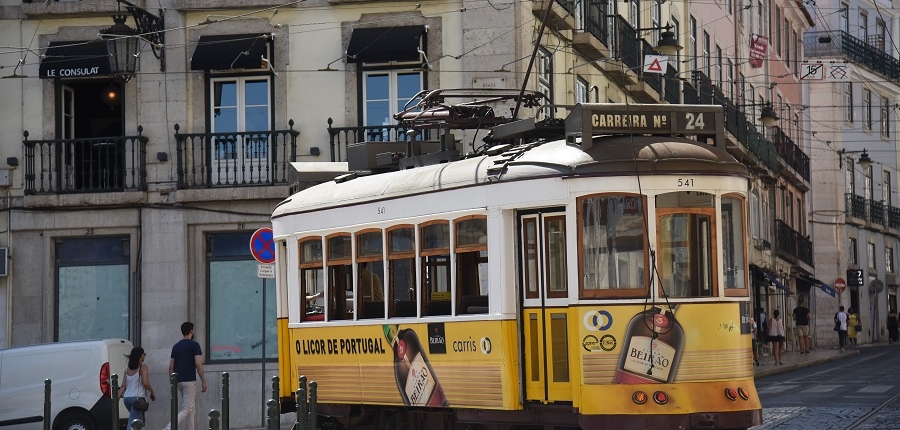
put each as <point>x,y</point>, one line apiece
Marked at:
<point>581,90</point>
<point>633,14</point>
<point>760,19</point>
<point>885,117</point>
<point>754,214</point>
<point>867,108</point>
<point>402,271</point>
<point>386,92</point>
<point>613,254</point>
<point>676,28</point>
<point>848,101</point>
<point>338,261</point>
<point>853,252</point>
<point>880,34</point>
<point>886,188</point>
<point>849,176</point>
<point>863,26</point>
<point>370,274</point>
<point>237,301</point>
<point>889,259</point>
<point>707,60</point>
<point>729,78</point>
<point>545,80</point>
<point>845,17</point>
<point>778,41</point>
<point>719,73</point>
<point>867,184</point>
<point>687,261</point>
<point>434,249</point>
<point>93,287</point>
<point>240,104</point>
<point>870,254</point>
<point>656,18</point>
<point>312,280</point>
<point>733,243</point>
<point>693,41</point>
<point>471,265</point>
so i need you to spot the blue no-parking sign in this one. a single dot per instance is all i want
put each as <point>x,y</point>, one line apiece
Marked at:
<point>262,246</point>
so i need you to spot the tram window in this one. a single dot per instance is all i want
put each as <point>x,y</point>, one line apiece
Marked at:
<point>733,243</point>
<point>471,265</point>
<point>340,277</point>
<point>613,246</point>
<point>685,255</point>
<point>555,230</point>
<point>529,244</point>
<point>402,272</point>
<point>312,280</point>
<point>435,252</point>
<point>370,271</point>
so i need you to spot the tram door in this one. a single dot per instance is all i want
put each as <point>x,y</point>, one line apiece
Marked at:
<point>542,242</point>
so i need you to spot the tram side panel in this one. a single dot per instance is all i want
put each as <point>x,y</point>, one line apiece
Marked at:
<point>471,364</point>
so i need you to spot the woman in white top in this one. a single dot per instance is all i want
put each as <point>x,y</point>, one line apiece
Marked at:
<point>136,384</point>
<point>776,335</point>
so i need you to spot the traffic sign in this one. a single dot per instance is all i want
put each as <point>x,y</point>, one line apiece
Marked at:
<point>840,285</point>
<point>854,278</point>
<point>262,246</point>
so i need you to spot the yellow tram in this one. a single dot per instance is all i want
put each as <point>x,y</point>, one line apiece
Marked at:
<point>596,279</point>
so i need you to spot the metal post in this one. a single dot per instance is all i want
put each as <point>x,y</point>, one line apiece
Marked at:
<point>214,419</point>
<point>277,401</point>
<point>263,372</point>
<point>272,415</point>
<point>47,384</point>
<point>173,407</point>
<point>302,410</point>
<point>225,401</point>
<point>313,400</point>
<point>115,401</point>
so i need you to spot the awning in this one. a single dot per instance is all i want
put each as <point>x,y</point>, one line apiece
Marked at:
<point>74,59</point>
<point>381,44</point>
<point>230,52</point>
<point>771,279</point>
<point>817,283</point>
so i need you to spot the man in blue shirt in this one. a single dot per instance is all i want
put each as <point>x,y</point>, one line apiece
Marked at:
<point>187,364</point>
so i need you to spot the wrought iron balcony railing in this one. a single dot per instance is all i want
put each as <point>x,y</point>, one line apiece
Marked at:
<point>341,137</point>
<point>597,21</point>
<point>792,155</point>
<point>790,243</point>
<point>88,165</point>
<point>235,159</point>
<point>856,206</point>
<point>825,44</point>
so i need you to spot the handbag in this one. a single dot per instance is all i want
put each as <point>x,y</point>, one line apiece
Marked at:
<point>859,327</point>
<point>837,326</point>
<point>141,404</point>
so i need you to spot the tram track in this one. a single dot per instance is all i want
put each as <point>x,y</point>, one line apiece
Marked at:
<point>871,414</point>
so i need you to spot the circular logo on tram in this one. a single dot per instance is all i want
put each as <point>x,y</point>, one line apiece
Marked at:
<point>597,320</point>
<point>486,346</point>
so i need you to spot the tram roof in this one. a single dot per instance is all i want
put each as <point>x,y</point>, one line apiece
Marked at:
<point>609,156</point>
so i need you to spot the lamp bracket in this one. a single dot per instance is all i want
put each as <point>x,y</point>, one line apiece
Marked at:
<point>151,28</point>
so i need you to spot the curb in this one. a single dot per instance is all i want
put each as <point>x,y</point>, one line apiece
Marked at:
<point>812,362</point>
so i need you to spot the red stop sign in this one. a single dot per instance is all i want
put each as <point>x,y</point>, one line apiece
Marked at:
<point>840,285</point>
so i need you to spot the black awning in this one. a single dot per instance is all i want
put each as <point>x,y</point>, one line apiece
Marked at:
<point>74,59</point>
<point>232,51</point>
<point>381,44</point>
<point>771,278</point>
<point>828,289</point>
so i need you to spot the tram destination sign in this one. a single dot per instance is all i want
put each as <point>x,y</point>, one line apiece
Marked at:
<point>592,119</point>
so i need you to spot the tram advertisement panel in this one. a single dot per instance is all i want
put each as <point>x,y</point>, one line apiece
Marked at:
<point>688,342</point>
<point>452,364</point>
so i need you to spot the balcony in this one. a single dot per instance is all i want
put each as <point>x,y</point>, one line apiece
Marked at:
<point>593,40</point>
<point>834,44</point>
<point>792,156</point>
<point>235,159</point>
<point>361,145</point>
<point>86,165</point>
<point>791,245</point>
<point>562,13</point>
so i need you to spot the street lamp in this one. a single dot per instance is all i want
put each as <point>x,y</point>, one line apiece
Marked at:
<point>768,116</point>
<point>667,45</point>
<point>122,44</point>
<point>864,161</point>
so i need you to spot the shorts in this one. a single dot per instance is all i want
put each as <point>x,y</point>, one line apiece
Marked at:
<point>802,330</point>
<point>776,338</point>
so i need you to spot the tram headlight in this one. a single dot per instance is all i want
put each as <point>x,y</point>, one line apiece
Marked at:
<point>743,393</point>
<point>731,394</point>
<point>639,397</point>
<point>660,398</point>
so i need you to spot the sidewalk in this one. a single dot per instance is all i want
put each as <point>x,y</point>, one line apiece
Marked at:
<point>794,360</point>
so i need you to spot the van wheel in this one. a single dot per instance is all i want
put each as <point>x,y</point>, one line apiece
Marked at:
<point>75,420</point>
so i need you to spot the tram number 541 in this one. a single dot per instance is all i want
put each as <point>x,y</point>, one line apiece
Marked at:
<point>689,182</point>
<point>694,121</point>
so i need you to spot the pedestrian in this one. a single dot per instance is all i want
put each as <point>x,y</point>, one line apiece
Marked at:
<point>136,384</point>
<point>801,327</point>
<point>854,325</point>
<point>755,341</point>
<point>186,362</point>
<point>892,326</point>
<point>776,335</point>
<point>840,324</point>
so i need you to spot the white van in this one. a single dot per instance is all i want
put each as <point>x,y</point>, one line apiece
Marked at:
<point>80,384</point>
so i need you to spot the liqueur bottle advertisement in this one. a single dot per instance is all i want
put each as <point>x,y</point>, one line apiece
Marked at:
<point>416,380</point>
<point>652,348</point>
